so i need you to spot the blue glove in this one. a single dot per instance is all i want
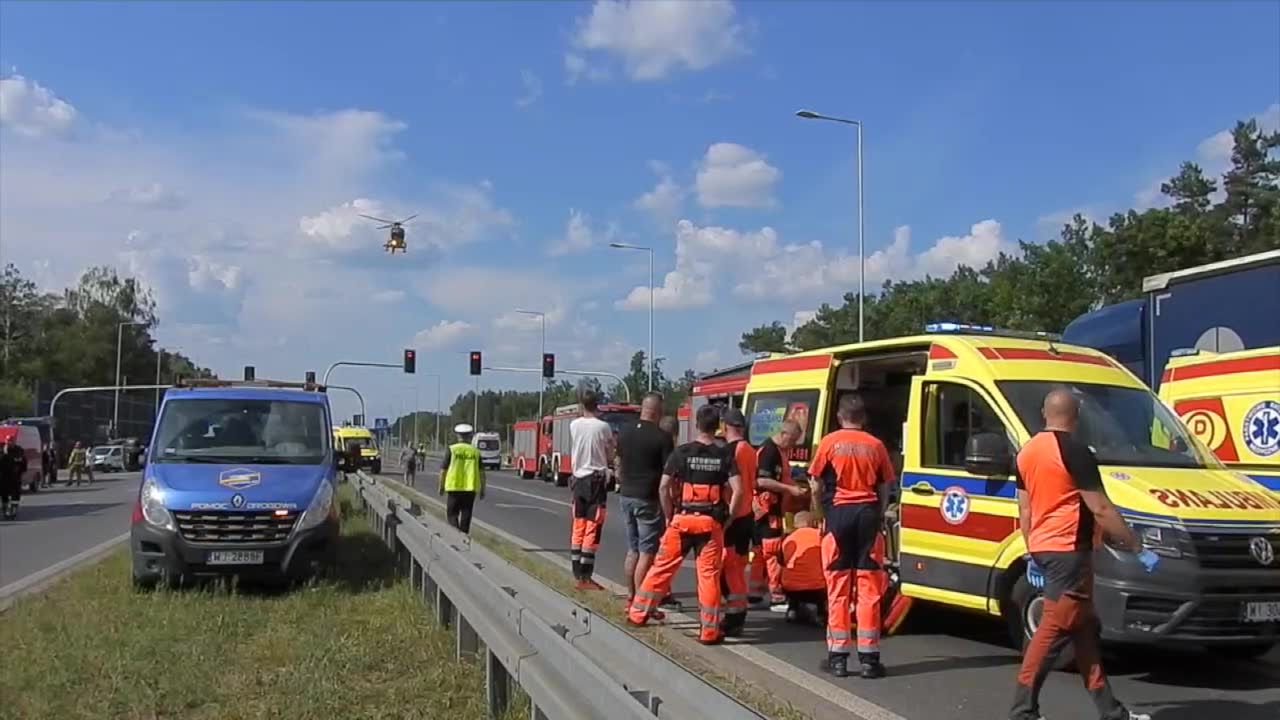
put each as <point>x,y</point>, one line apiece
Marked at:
<point>1035,575</point>
<point>1149,560</point>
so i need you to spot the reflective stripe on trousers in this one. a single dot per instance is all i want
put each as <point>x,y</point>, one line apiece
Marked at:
<point>705,537</point>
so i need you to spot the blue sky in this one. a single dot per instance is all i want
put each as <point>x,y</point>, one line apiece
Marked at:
<point>222,150</point>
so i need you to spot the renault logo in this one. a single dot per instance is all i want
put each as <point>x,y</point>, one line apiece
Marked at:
<point>239,478</point>
<point>237,501</point>
<point>1261,550</point>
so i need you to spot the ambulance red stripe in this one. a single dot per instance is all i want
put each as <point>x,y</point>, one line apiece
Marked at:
<point>792,364</point>
<point>1224,367</point>
<point>979,526</point>
<point>1009,353</point>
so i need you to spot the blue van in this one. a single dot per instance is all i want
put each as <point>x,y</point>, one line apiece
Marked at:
<point>239,480</point>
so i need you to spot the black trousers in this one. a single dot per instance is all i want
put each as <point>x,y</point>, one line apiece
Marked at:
<point>10,490</point>
<point>458,505</point>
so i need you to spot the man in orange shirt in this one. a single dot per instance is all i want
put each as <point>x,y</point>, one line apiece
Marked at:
<point>741,528</point>
<point>1063,511</point>
<point>802,578</point>
<point>854,472</point>
<point>773,484</point>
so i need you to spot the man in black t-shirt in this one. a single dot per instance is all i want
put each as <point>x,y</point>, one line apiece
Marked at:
<point>642,452</point>
<point>773,483</point>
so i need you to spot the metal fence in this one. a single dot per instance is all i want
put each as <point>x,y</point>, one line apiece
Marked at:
<point>569,661</point>
<point>87,417</point>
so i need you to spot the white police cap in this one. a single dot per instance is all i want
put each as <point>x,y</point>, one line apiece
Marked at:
<point>463,429</point>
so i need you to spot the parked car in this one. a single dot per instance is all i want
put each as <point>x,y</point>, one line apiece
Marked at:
<point>108,458</point>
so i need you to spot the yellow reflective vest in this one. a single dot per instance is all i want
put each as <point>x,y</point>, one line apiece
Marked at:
<point>463,474</point>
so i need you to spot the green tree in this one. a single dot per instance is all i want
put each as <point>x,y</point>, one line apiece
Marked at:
<point>1251,187</point>
<point>766,338</point>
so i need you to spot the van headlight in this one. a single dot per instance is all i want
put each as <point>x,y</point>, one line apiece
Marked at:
<point>319,508</point>
<point>1160,539</point>
<point>153,509</point>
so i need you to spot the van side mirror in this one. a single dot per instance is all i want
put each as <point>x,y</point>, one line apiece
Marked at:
<point>988,455</point>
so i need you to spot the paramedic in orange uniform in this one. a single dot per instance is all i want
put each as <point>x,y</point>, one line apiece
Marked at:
<point>773,483</point>
<point>741,529</point>
<point>802,577</point>
<point>853,469</point>
<point>1063,512</point>
<point>709,488</point>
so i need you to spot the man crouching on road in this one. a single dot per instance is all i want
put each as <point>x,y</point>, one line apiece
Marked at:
<point>461,478</point>
<point>593,445</point>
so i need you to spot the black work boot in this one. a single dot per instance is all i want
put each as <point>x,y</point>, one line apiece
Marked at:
<point>732,625</point>
<point>577,570</point>
<point>838,664</point>
<point>871,667</point>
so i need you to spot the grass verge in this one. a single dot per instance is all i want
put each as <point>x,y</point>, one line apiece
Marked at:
<point>609,607</point>
<point>357,644</point>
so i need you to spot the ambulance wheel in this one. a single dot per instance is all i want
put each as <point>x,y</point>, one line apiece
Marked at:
<point>1252,651</point>
<point>1022,614</point>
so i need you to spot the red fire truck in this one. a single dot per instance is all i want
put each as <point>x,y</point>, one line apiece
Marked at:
<point>543,448</point>
<point>723,387</point>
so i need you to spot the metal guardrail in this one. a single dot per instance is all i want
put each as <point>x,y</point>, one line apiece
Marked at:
<point>569,661</point>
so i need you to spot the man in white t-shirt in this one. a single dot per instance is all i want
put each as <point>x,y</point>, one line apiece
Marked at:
<point>593,447</point>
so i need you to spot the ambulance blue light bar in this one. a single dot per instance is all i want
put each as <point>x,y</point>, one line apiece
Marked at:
<point>955,328</point>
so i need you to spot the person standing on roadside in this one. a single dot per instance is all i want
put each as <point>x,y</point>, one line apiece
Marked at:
<point>854,472</point>
<point>773,483</point>
<point>48,465</point>
<point>76,464</point>
<point>1064,511</point>
<point>462,479</point>
<point>410,462</point>
<point>708,487</point>
<point>643,449</point>
<point>13,466</point>
<point>593,445</point>
<point>740,532</point>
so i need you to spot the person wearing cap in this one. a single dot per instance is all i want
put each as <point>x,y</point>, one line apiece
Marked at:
<point>462,478</point>
<point>740,531</point>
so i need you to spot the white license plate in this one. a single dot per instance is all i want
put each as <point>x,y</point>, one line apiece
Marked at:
<point>1262,612</point>
<point>236,557</point>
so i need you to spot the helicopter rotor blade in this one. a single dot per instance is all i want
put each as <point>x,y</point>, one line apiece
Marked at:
<point>407,219</point>
<point>384,227</point>
<point>377,219</point>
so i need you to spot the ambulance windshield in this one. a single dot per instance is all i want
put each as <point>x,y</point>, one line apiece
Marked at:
<point>1123,425</point>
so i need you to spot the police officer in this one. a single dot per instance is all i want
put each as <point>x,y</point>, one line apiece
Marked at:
<point>462,478</point>
<point>709,490</point>
<point>1063,511</point>
<point>13,466</point>
<point>854,472</point>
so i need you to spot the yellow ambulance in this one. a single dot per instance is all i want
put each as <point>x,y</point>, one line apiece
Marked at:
<point>1231,402</point>
<point>370,456</point>
<point>954,535</point>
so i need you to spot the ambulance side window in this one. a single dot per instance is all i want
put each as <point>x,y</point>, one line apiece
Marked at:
<point>959,414</point>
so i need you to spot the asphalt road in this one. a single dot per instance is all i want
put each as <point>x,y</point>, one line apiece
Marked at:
<point>60,522</point>
<point>943,665</point>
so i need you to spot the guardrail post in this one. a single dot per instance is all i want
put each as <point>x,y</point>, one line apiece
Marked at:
<point>535,712</point>
<point>416,571</point>
<point>444,609</point>
<point>497,682</point>
<point>429,588</point>
<point>468,638</point>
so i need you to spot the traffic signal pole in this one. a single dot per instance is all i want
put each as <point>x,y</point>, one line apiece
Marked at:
<point>582,373</point>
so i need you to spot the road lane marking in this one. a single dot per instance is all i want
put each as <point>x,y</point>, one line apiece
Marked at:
<point>530,495</point>
<point>40,578</point>
<point>518,506</point>
<point>838,696</point>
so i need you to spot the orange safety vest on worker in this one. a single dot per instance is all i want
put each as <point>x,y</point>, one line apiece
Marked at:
<point>849,465</point>
<point>738,537</point>
<point>766,562</point>
<point>802,561</point>
<point>700,513</point>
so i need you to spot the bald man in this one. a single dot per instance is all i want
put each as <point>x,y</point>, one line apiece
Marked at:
<point>1064,512</point>
<point>643,448</point>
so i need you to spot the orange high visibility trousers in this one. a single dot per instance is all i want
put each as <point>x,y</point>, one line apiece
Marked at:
<point>705,537</point>
<point>871,586</point>
<point>766,570</point>
<point>737,556</point>
<point>585,539</point>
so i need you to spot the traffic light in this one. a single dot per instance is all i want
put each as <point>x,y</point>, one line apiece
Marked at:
<point>410,361</point>
<point>248,373</point>
<point>548,365</point>
<point>475,362</point>
<point>357,420</point>
<point>311,377</point>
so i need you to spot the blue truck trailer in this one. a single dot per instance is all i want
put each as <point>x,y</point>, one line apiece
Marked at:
<point>1219,307</point>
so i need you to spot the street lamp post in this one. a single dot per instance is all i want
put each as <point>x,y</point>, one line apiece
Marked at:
<point>542,383</point>
<point>115,413</point>
<point>627,246</point>
<point>862,256</point>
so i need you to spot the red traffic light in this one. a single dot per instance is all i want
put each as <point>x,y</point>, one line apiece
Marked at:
<point>410,361</point>
<point>475,362</point>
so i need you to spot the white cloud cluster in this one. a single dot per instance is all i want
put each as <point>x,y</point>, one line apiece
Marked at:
<point>652,39</point>
<point>443,335</point>
<point>153,195</point>
<point>580,236</point>
<point>758,267</point>
<point>733,175</point>
<point>665,201</point>
<point>349,141</point>
<point>32,110</point>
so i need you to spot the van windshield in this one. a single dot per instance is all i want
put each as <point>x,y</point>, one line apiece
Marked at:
<point>487,444</point>
<point>242,431</point>
<point>1123,426</point>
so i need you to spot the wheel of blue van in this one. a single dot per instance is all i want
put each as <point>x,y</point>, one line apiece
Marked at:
<point>1022,615</point>
<point>1252,651</point>
<point>144,584</point>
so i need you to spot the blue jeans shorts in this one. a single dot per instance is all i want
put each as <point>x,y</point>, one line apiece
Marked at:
<point>645,524</point>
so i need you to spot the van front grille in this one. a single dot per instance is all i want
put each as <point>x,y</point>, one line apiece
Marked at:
<point>236,527</point>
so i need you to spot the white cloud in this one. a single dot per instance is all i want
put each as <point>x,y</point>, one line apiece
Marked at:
<point>532,89</point>
<point>733,175</point>
<point>665,200</point>
<point>192,288</point>
<point>443,335</point>
<point>32,110</point>
<point>801,317</point>
<point>579,235</point>
<point>652,39</point>
<point>347,141</point>
<point>153,195</point>
<point>388,297</point>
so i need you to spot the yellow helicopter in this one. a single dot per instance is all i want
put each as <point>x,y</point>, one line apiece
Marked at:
<point>396,240</point>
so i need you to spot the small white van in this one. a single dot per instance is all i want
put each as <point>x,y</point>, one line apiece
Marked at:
<point>490,447</point>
